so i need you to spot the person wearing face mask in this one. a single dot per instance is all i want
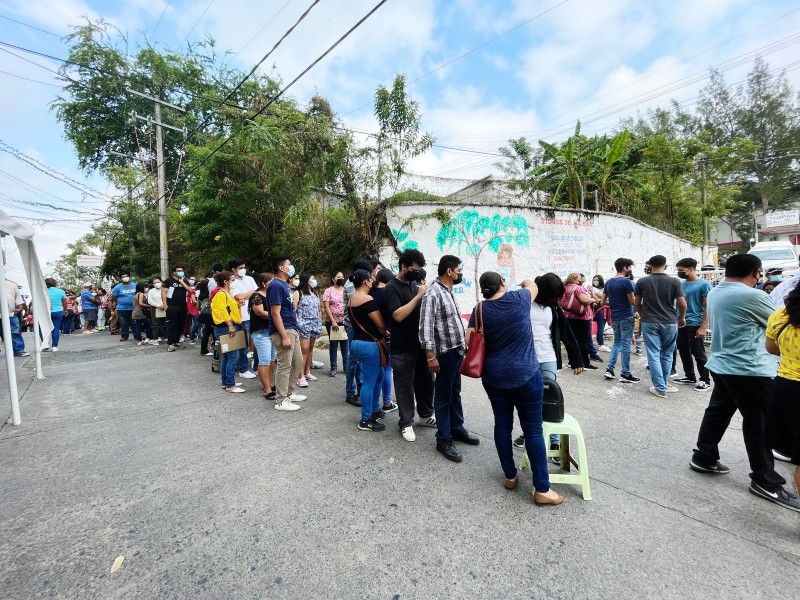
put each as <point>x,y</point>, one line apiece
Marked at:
<point>285,336</point>
<point>352,383</point>
<point>333,300</point>
<point>173,295</point>
<point>158,310</point>
<point>742,369</point>
<point>691,338</point>
<point>308,322</point>
<point>243,288</point>
<point>413,382</point>
<point>601,312</point>
<point>378,293</point>
<point>122,304</point>
<point>441,334</point>
<point>618,294</point>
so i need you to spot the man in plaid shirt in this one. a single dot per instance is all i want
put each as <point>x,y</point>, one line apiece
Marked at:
<point>441,333</point>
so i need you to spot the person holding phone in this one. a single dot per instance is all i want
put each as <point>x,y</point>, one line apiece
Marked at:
<point>227,321</point>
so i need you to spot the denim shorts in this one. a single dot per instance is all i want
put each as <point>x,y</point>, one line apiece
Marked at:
<point>264,347</point>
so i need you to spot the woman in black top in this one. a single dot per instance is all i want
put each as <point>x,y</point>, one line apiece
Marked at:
<point>368,332</point>
<point>259,333</point>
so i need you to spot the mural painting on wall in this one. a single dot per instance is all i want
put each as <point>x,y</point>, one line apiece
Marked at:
<point>471,233</point>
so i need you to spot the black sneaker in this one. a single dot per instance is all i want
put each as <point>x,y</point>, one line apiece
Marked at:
<point>377,415</point>
<point>686,380</point>
<point>609,374</point>
<point>519,443</point>
<point>370,425</point>
<point>590,366</point>
<point>717,468</point>
<point>628,378</point>
<point>354,400</point>
<point>596,358</point>
<point>781,496</point>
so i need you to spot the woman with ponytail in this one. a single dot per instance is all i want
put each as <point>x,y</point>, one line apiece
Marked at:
<point>512,378</point>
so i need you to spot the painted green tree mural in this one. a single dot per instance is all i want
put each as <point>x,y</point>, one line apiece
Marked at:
<point>472,233</point>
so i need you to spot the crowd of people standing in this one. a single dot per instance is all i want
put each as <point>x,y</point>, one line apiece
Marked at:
<point>399,331</point>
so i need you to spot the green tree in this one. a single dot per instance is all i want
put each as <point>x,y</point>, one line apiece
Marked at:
<point>567,168</point>
<point>520,165</point>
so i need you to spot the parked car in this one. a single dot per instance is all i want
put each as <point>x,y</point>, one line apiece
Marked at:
<point>777,257</point>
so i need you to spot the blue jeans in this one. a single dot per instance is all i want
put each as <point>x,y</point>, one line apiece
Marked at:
<point>352,373</point>
<point>386,391</point>
<point>601,327</point>
<point>344,346</point>
<point>17,343</point>
<point>244,363</point>
<point>139,328</point>
<point>447,396</point>
<point>57,318</point>
<point>68,323</point>
<point>659,341</point>
<point>227,361</point>
<point>369,359</point>
<point>623,333</point>
<point>527,399</point>
<point>124,317</point>
<point>195,327</point>
<point>264,350</point>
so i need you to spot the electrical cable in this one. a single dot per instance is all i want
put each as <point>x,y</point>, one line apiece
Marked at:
<point>34,63</point>
<point>163,12</point>
<point>280,10</point>
<point>28,79</point>
<point>29,25</point>
<point>203,14</point>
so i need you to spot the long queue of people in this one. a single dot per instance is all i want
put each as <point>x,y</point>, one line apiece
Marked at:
<point>396,330</point>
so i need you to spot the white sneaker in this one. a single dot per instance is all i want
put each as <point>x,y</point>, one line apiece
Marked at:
<point>315,364</point>
<point>183,339</point>
<point>286,404</point>
<point>55,349</point>
<point>302,382</point>
<point>295,397</point>
<point>429,422</point>
<point>310,377</point>
<point>604,348</point>
<point>408,434</point>
<point>248,375</point>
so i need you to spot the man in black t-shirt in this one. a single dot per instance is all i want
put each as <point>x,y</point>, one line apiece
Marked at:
<point>173,294</point>
<point>409,367</point>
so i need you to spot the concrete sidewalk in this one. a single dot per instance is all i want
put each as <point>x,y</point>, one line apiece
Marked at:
<point>130,451</point>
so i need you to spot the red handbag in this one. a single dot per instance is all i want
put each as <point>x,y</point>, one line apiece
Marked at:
<point>472,365</point>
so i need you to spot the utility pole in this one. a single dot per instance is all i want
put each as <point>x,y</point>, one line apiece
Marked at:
<point>703,206</point>
<point>161,171</point>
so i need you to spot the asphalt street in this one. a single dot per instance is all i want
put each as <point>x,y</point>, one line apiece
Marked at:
<point>128,451</point>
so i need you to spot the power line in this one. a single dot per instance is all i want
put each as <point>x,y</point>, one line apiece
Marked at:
<point>198,21</point>
<point>285,89</point>
<point>468,52</point>
<point>280,10</point>
<point>29,25</point>
<point>28,79</point>
<point>161,17</point>
<point>253,70</point>
<point>32,62</point>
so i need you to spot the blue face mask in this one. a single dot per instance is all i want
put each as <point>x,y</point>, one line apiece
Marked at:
<point>290,272</point>
<point>180,274</point>
<point>313,284</point>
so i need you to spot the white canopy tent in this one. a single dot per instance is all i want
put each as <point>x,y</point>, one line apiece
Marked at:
<point>23,236</point>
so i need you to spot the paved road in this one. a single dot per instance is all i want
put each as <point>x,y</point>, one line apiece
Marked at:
<point>130,451</point>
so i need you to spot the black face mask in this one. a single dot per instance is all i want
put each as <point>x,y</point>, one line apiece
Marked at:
<point>648,270</point>
<point>412,276</point>
<point>683,274</point>
<point>339,281</point>
<point>459,279</point>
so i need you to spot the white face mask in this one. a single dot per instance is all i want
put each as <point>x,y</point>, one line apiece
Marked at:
<point>241,272</point>
<point>126,279</point>
<point>192,282</point>
<point>157,285</point>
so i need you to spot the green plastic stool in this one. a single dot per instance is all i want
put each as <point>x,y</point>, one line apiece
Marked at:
<point>564,429</point>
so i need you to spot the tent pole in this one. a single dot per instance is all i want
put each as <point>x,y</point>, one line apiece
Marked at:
<point>37,339</point>
<point>9,348</point>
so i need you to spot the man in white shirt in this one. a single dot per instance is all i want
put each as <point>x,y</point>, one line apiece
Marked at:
<point>242,289</point>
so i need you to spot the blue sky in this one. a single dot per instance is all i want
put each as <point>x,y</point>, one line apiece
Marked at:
<point>553,63</point>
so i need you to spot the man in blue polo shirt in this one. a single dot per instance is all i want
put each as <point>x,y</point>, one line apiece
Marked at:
<point>122,304</point>
<point>742,370</point>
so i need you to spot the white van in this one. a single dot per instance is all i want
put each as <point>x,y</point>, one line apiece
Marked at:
<point>777,256</point>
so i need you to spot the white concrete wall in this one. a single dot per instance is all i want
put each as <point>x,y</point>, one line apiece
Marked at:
<point>561,241</point>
